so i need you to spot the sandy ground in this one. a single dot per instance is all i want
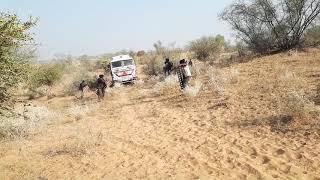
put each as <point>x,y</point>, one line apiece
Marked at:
<point>139,134</point>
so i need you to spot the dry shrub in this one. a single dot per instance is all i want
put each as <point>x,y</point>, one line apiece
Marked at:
<point>169,85</point>
<point>198,69</point>
<point>217,81</point>
<point>75,149</point>
<point>29,119</point>
<point>291,99</point>
<point>194,90</point>
<point>220,80</point>
<point>141,53</point>
<point>71,83</point>
<point>73,75</point>
<point>80,111</point>
<point>78,146</point>
<point>154,61</point>
<point>61,79</point>
<point>270,93</point>
<point>154,65</point>
<point>317,96</point>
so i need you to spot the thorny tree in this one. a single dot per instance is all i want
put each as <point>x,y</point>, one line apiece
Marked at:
<point>268,26</point>
<point>14,35</point>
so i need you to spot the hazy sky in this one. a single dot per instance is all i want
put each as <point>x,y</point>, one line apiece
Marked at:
<point>95,27</point>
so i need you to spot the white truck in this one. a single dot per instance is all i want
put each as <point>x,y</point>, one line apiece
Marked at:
<point>123,69</point>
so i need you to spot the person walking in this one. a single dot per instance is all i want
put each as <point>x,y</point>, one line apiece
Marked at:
<point>185,74</point>
<point>82,85</point>
<point>190,63</point>
<point>168,65</point>
<point>101,87</point>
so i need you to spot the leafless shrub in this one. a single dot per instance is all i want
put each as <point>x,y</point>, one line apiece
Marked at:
<point>271,26</point>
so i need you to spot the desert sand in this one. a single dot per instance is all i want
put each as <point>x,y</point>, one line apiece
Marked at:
<point>139,132</point>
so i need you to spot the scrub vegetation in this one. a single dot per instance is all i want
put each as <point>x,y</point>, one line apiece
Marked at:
<point>251,111</point>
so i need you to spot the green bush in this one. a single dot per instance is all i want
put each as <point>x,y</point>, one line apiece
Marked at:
<point>73,88</point>
<point>46,75</point>
<point>207,47</point>
<point>14,65</point>
<point>154,61</point>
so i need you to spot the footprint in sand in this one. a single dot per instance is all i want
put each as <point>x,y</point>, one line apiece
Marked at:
<point>265,160</point>
<point>297,155</point>
<point>285,168</point>
<point>279,152</point>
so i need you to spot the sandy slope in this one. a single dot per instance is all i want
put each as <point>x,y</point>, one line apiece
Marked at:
<point>139,134</point>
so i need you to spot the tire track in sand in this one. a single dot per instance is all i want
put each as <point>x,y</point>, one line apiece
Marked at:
<point>137,135</point>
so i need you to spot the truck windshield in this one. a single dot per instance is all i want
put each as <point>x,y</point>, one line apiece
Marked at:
<point>127,62</point>
<point>122,63</point>
<point>117,64</point>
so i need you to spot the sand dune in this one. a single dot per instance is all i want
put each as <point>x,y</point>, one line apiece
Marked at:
<point>139,134</point>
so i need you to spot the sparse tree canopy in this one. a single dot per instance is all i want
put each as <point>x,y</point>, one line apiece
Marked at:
<point>271,25</point>
<point>14,34</point>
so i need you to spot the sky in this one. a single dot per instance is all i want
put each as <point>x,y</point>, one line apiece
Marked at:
<point>95,27</point>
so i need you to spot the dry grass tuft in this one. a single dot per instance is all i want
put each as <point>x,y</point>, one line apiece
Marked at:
<point>77,144</point>
<point>168,85</point>
<point>274,90</point>
<point>194,90</point>
<point>79,111</point>
<point>290,96</point>
<point>221,80</point>
<point>29,120</point>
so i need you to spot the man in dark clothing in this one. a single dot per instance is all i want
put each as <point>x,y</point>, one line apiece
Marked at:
<point>82,85</point>
<point>101,87</point>
<point>167,67</point>
<point>190,63</point>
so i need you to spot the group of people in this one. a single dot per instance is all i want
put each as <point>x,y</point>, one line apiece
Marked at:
<point>183,71</point>
<point>101,85</point>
